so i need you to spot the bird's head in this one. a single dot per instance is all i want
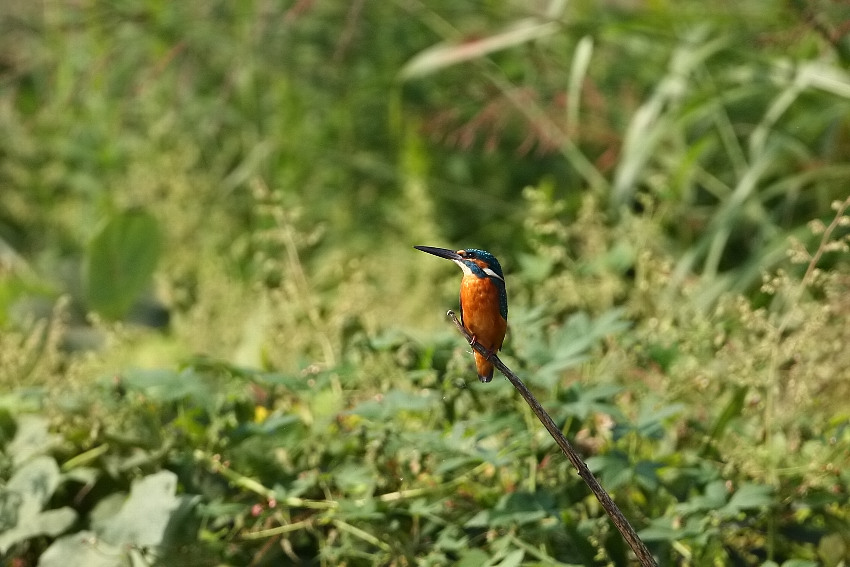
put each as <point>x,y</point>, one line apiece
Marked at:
<point>472,261</point>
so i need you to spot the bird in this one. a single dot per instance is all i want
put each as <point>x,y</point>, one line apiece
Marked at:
<point>483,300</point>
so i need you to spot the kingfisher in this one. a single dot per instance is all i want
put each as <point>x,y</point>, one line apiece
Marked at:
<point>483,300</point>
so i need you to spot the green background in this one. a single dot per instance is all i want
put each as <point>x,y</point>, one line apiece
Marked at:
<point>218,346</point>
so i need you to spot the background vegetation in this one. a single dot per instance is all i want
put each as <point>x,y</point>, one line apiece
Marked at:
<point>219,348</point>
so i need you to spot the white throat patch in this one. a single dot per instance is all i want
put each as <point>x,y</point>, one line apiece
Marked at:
<point>464,267</point>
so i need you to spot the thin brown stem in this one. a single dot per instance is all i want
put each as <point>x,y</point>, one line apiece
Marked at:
<point>620,522</point>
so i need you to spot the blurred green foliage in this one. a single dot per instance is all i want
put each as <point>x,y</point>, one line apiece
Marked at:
<point>217,346</point>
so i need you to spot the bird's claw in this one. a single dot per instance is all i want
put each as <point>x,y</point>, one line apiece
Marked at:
<point>488,354</point>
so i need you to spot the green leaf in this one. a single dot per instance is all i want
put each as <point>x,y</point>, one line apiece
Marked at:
<point>712,498</point>
<point>514,509</point>
<point>165,385</point>
<point>586,401</point>
<point>833,548</point>
<point>31,438</point>
<point>144,517</point>
<point>646,472</point>
<point>121,260</point>
<point>326,404</point>
<point>472,558</point>
<point>613,469</point>
<point>650,421</point>
<point>668,529</point>
<point>512,559</point>
<point>81,549</point>
<point>748,497</point>
<point>354,478</point>
<point>571,344</point>
<point>22,501</point>
<point>392,403</point>
<point>800,563</point>
<point>660,530</point>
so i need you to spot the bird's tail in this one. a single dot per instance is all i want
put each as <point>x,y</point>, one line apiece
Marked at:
<point>484,366</point>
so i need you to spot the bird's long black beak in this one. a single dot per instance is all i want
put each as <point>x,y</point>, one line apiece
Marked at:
<point>441,252</point>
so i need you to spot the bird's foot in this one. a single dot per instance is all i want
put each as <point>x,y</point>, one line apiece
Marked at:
<point>488,354</point>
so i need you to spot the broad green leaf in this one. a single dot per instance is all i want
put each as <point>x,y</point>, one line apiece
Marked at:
<point>164,385</point>
<point>646,472</point>
<point>36,481</point>
<point>833,548</point>
<point>512,559</point>
<point>120,262</point>
<point>515,509</point>
<point>595,399</point>
<point>748,497</point>
<point>599,392</point>
<point>669,529</point>
<point>714,496</point>
<point>82,549</point>
<point>450,464</point>
<point>22,501</point>
<point>144,517</point>
<point>660,529</point>
<point>31,438</point>
<point>650,421</point>
<point>105,510</point>
<point>570,345</point>
<point>613,469</point>
<point>479,520</point>
<point>394,402</point>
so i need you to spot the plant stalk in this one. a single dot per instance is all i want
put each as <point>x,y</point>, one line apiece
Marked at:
<point>622,524</point>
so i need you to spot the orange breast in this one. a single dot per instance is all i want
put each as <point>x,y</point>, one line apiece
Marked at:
<point>479,302</point>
